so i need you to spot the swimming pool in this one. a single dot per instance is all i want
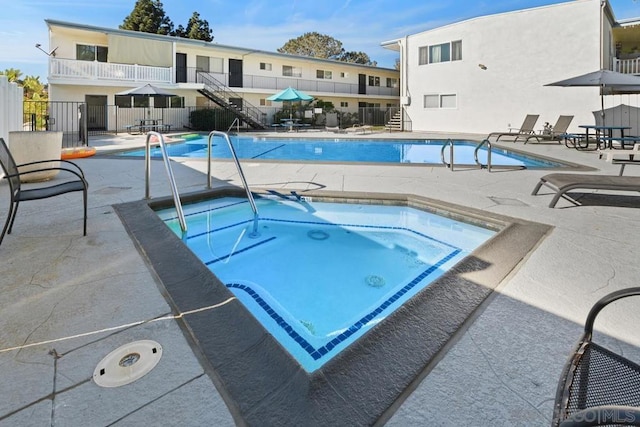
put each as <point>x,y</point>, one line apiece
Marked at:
<point>260,380</point>
<point>320,275</point>
<point>348,150</point>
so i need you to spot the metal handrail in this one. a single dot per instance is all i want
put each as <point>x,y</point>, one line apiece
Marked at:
<point>240,172</point>
<point>172,180</point>
<point>475,154</point>
<point>449,144</point>
<point>235,122</point>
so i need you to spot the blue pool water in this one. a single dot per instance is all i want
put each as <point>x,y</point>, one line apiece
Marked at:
<point>319,275</point>
<point>344,150</point>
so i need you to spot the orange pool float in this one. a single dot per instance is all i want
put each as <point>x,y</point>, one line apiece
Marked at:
<point>77,152</point>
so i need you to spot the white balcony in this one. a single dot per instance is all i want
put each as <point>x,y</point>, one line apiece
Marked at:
<point>94,70</point>
<point>627,66</point>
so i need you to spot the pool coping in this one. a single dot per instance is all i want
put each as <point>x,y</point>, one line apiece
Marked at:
<point>262,384</point>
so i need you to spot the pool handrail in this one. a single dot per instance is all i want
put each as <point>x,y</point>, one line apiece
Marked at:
<point>475,154</point>
<point>235,122</point>
<point>172,180</point>
<point>448,143</point>
<point>240,172</point>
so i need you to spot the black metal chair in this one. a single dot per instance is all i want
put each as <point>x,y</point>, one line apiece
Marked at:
<point>598,387</point>
<point>12,175</point>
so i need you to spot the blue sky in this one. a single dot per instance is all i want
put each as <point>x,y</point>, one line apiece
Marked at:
<point>361,25</point>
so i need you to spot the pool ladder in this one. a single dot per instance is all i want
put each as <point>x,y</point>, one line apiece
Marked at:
<point>449,143</point>
<point>172,180</point>
<point>252,202</point>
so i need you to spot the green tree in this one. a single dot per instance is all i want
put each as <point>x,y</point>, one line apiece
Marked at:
<point>323,46</point>
<point>197,29</point>
<point>315,45</point>
<point>34,89</point>
<point>13,75</point>
<point>148,16</point>
<point>357,58</point>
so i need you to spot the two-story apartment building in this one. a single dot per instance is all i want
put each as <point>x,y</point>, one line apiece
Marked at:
<point>485,74</point>
<point>93,64</point>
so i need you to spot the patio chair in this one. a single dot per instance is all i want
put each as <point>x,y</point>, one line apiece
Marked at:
<point>561,183</point>
<point>331,124</point>
<point>525,130</point>
<point>18,194</point>
<point>597,385</point>
<point>556,133</point>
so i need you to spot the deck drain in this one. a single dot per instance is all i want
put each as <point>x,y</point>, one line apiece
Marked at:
<point>318,235</point>
<point>127,363</point>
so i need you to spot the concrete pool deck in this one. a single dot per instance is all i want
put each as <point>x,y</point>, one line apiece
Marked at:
<point>67,300</point>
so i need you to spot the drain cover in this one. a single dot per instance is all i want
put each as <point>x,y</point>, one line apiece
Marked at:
<point>127,363</point>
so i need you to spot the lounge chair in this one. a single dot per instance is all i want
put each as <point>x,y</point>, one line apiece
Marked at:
<point>17,194</point>
<point>331,124</point>
<point>556,133</point>
<point>563,182</point>
<point>525,130</point>
<point>598,386</point>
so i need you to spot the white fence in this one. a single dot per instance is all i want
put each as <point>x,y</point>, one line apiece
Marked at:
<point>10,107</point>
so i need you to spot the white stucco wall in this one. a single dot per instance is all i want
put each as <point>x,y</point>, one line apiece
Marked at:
<point>522,51</point>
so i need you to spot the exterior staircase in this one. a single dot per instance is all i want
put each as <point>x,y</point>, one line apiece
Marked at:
<point>395,122</point>
<point>222,95</point>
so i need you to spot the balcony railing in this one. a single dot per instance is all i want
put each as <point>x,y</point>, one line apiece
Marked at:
<point>94,70</point>
<point>627,66</point>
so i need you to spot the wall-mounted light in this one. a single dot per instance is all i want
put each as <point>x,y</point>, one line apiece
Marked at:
<point>52,53</point>
<point>482,66</point>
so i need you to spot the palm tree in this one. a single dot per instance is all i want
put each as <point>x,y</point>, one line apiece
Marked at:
<point>12,74</point>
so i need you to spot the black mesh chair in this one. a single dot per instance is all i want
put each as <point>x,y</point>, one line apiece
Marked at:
<point>77,182</point>
<point>598,387</point>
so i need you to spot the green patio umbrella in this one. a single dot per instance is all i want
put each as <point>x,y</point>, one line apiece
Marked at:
<point>290,94</point>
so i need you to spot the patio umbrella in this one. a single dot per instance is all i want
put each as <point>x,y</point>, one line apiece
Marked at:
<point>605,79</point>
<point>146,90</point>
<point>150,91</point>
<point>290,94</point>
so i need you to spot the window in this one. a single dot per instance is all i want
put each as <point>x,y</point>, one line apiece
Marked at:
<point>216,65</point>
<point>140,101</point>
<point>202,63</point>
<point>423,55</point>
<point>289,71</point>
<point>265,66</point>
<point>123,101</point>
<point>456,50</point>
<point>323,74</point>
<point>344,104</point>
<point>265,102</point>
<point>448,101</point>
<point>392,82</point>
<point>91,53</point>
<point>445,52</point>
<point>439,53</point>
<point>374,81</point>
<point>344,75</point>
<point>168,102</point>
<point>440,101</point>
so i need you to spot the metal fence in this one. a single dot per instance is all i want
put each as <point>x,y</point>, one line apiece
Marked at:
<point>79,121</point>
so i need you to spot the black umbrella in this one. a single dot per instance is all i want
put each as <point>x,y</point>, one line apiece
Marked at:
<point>146,90</point>
<point>605,79</point>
